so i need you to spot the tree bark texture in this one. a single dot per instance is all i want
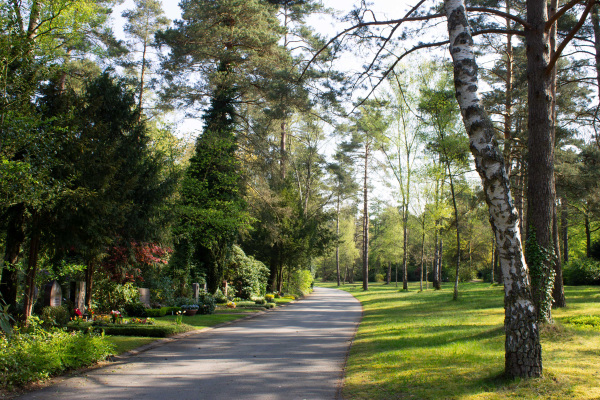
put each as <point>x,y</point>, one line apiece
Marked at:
<point>541,193</point>
<point>436,282</point>
<point>15,236</point>
<point>405,247</point>
<point>558,292</point>
<point>522,345</point>
<point>366,224</point>
<point>337,245</point>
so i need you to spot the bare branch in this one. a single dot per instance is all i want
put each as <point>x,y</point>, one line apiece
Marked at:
<point>570,35</point>
<point>501,14</point>
<point>560,13</point>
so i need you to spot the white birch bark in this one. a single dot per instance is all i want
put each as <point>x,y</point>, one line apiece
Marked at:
<point>522,345</point>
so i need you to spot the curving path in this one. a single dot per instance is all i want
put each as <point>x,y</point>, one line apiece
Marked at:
<point>295,352</point>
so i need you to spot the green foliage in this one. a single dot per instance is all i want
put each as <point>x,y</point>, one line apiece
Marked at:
<point>144,330</point>
<point>156,312</point>
<point>246,274</point>
<point>135,309</point>
<point>584,321</point>
<point>541,272</point>
<point>110,295</point>
<point>260,302</point>
<point>56,316</point>
<point>301,282</point>
<point>6,320</point>
<point>584,271</point>
<point>207,303</point>
<point>29,357</point>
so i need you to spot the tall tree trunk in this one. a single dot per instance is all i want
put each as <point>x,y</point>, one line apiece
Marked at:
<point>436,282</point>
<point>558,292</point>
<point>32,263</point>
<point>540,188</point>
<point>283,144</point>
<point>523,352</point>
<point>441,262</point>
<point>389,273</point>
<point>564,215</point>
<point>15,236</point>
<point>455,294</point>
<point>493,258</point>
<point>508,100</point>
<point>422,253</point>
<point>89,282</point>
<point>588,232</point>
<point>366,223</point>
<point>596,28</point>
<point>405,247</point>
<point>337,244</point>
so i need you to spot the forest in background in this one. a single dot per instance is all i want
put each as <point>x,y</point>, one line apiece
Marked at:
<point>95,185</point>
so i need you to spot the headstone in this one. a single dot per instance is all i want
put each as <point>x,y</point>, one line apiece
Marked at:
<point>204,287</point>
<point>145,296</point>
<point>52,294</point>
<point>225,287</point>
<point>80,296</point>
<point>196,289</point>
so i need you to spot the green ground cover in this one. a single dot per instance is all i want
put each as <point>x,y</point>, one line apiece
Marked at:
<point>426,346</point>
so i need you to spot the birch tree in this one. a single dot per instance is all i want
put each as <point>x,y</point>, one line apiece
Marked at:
<point>523,352</point>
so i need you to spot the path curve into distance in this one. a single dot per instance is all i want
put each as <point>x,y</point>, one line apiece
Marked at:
<point>295,352</point>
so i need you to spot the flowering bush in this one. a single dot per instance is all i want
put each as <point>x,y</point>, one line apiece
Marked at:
<point>186,307</point>
<point>115,316</point>
<point>230,304</point>
<point>142,321</point>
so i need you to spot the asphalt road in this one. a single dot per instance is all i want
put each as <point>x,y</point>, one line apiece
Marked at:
<point>295,352</point>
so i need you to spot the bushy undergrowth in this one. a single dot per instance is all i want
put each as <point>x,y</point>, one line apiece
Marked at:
<point>582,272</point>
<point>584,321</point>
<point>28,357</point>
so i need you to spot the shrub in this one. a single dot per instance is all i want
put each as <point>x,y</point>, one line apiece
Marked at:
<point>172,310</point>
<point>208,303</point>
<point>269,305</point>
<point>379,278</point>
<point>584,321</point>
<point>156,312</point>
<point>29,357</point>
<point>56,316</point>
<point>260,301</point>
<point>270,298</point>
<point>114,296</point>
<point>144,330</point>
<point>135,309</point>
<point>248,275</point>
<point>582,272</point>
<point>220,298</point>
<point>301,282</point>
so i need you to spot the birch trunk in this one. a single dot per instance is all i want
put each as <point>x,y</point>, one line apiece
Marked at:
<point>366,223</point>
<point>522,345</point>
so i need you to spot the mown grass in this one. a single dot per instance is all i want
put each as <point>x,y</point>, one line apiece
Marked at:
<point>123,344</point>
<point>423,345</point>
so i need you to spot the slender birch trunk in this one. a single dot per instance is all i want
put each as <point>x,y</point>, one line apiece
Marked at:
<point>523,352</point>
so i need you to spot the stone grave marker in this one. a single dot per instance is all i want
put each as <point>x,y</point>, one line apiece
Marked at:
<point>145,296</point>
<point>52,294</point>
<point>196,290</point>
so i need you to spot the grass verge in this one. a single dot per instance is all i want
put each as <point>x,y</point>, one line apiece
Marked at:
<point>423,345</point>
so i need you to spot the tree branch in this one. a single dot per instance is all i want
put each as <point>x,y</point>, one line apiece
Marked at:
<point>560,13</point>
<point>570,35</point>
<point>501,14</point>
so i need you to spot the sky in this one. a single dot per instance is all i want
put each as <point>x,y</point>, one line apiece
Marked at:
<point>326,25</point>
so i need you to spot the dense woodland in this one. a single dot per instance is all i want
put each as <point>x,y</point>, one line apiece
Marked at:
<point>301,166</point>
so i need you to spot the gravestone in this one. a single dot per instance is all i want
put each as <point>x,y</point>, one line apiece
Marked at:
<point>225,287</point>
<point>52,294</point>
<point>80,296</point>
<point>77,295</point>
<point>196,290</point>
<point>145,296</point>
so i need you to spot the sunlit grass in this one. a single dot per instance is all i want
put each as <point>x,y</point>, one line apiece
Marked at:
<point>423,345</point>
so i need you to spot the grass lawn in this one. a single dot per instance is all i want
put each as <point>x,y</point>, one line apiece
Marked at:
<point>413,345</point>
<point>126,343</point>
